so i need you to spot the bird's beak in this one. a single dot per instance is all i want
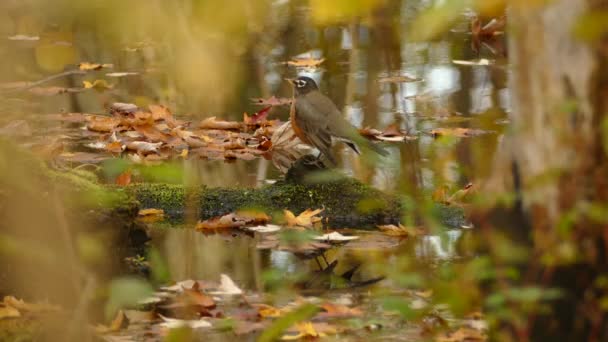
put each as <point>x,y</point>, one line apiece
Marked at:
<point>290,80</point>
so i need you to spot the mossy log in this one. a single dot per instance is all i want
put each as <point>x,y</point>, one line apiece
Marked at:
<point>346,202</point>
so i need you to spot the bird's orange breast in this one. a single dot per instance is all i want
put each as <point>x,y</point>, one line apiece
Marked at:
<point>294,125</point>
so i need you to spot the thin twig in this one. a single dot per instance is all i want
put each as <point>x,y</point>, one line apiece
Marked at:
<point>44,80</point>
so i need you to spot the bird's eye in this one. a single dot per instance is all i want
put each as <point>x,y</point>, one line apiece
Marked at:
<point>300,83</point>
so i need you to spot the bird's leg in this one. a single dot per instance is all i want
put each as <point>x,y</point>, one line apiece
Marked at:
<point>323,256</point>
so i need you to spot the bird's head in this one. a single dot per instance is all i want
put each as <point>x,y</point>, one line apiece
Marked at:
<point>303,85</point>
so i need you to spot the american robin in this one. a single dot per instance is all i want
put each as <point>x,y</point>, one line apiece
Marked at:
<point>316,120</point>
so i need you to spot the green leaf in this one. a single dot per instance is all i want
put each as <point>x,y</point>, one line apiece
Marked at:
<point>276,329</point>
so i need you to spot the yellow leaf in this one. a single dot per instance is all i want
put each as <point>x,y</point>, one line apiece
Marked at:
<point>86,66</point>
<point>151,215</point>
<point>8,312</point>
<point>305,330</point>
<point>99,85</point>
<point>306,219</point>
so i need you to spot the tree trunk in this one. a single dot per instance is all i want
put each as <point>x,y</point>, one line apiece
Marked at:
<point>553,164</point>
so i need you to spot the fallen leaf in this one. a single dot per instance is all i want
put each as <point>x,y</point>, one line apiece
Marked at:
<point>257,117</point>
<point>9,312</point>
<point>461,195</point>
<point>121,74</point>
<point>99,85</point>
<point>338,311</point>
<point>143,146</point>
<point>233,220</point>
<point>474,62</point>
<point>151,215</point>
<point>227,287</point>
<point>123,108</point>
<point>308,330</point>
<point>306,219</point>
<point>305,62</point>
<point>268,311</point>
<point>458,132</point>
<point>86,66</point>
<point>173,323</point>
<point>102,123</point>
<point>462,334</point>
<point>213,123</point>
<point>119,322</point>
<point>335,237</point>
<point>269,228</point>
<point>400,230</point>
<point>29,307</point>
<point>124,178</point>
<point>113,147</point>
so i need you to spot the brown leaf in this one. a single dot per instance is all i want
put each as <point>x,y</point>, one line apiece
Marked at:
<point>233,220</point>
<point>401,230</point>
<point>213,123</point>
<point>115,147</point>
<point>463,334</point>
<point>102,123</point>
<point>458,132</point>
<point>29,307</point>
<point>150,215</point>
<point>335,310</point>
<point>123,108</point>
<point>257,117</point>
<point>151,133</point>
<point>124,178</point>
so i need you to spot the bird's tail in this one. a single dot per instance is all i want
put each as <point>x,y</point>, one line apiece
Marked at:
<point>370,145</point>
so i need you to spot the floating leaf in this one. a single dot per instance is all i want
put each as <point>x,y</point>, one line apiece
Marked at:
<point>86,66</point>
<point>306,219</point>
<point>173,323</point>
<point>150,215</point>
<point>99,85</point>
<point>458,132</point>
<point>474,62</point>
<point>335,237</point>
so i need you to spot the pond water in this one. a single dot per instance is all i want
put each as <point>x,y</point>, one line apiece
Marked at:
<point>198,73</point>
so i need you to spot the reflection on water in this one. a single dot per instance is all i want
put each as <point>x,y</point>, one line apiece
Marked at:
<point>193,255</point>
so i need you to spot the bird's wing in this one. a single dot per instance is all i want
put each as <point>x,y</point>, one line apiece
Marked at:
<point>338,126</point>
<point>314,125</point>
<point>336,123</point>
